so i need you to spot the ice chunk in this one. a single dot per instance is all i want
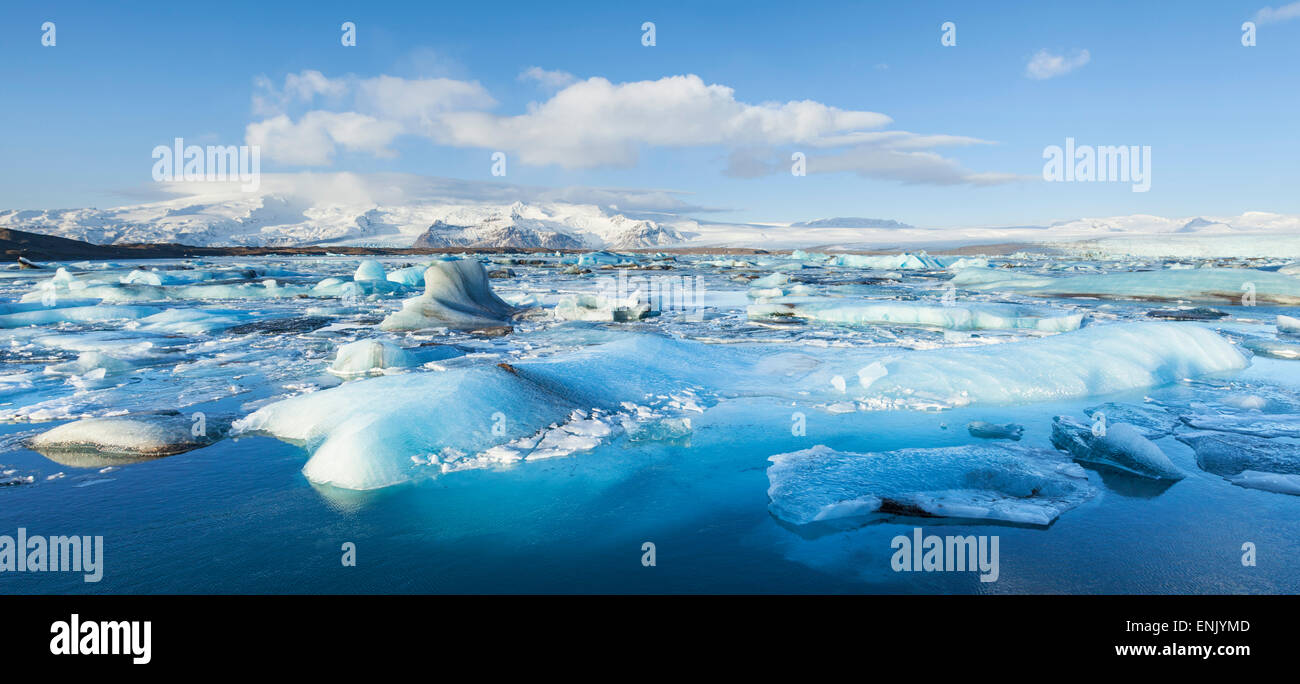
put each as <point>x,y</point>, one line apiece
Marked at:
<point>975,317</point>
<point>1118,445</point>
<point>1288,324</point>
<point>1277,349</point>
<point>1002,482</point>
<point>369,270</point>
<point>369,356</point>
<point>155,434</point>
<point>983,430</point>
<point>456,295</point>
<point>410,276</point>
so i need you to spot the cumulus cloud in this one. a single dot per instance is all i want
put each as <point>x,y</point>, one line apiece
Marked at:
<point>1270,15</point>
<point>1045,65</point>
<point>313,139</point>
<point>590,123</point>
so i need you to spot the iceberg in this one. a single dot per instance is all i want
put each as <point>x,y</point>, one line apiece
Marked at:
<point>1002,482</point>
<point>389,430</point>
<point>456,295</point>
<point>1288,324</point>
<point>369,270</point>
<point>1119,445</point>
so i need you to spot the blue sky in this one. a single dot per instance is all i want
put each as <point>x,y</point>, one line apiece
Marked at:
<point>79,120</point>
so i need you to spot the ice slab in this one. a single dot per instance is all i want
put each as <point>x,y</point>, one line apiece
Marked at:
<point>1091,361</point>
<point>1246,460</point>
<point>1257,424</point>
<point>858,312</point>
<point>1001,482</point>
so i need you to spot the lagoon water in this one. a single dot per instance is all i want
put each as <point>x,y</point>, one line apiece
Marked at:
<point>240,516</point>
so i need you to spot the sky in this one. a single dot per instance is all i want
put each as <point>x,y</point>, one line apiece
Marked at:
<point>891,122</point>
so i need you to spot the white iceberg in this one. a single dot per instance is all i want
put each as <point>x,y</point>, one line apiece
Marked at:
<point>456,295</point>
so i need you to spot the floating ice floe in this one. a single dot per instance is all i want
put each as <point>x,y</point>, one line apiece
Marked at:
<point>369,356</point>
<point>1118,445</point>
<point>1276,349</point>
<point>1002,482</point>
<point>1247,460</point>
<point>150,435</point>
<point>859,312</point>
<point>984,430</point>
<point>1219,284</point>
<point>456,295</point>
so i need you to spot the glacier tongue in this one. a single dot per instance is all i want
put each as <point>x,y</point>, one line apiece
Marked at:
<point>1007,483</point>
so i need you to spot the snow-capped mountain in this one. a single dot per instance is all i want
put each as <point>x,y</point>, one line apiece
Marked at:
<point>280,220</point>
<point>349,210</point>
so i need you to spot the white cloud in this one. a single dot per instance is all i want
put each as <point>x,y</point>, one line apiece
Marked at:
<point>313,139</point>
<point>1270,15</point>
<point>596,123</point>
<point>1047,65</point>
<point>592,123</point>
<point>551,80</point>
